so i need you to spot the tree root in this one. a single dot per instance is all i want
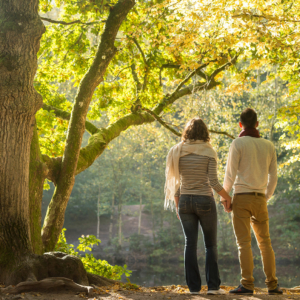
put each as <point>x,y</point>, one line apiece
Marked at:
<point>51,271</point>
<point>45,285</point>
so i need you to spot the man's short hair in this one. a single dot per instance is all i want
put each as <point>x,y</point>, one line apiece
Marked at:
<point>248,118</point>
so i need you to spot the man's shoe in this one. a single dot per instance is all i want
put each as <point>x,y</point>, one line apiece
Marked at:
<point>276,291</point>
<point>216,292</point>
<point>241,290</point>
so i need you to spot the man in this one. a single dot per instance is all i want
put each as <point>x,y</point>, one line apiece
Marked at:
<point>252,171</point>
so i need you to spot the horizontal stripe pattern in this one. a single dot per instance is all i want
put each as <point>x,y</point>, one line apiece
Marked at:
<point>198,175</point>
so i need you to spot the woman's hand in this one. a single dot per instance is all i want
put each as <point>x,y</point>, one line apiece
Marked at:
<point>225,200</point>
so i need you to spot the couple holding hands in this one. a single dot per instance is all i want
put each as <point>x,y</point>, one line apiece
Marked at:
<point>191,174</point>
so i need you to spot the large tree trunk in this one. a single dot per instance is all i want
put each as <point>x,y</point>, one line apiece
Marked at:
<point>20,33</point>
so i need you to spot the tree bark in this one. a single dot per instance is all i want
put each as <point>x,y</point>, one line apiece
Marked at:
<point>20,33</point>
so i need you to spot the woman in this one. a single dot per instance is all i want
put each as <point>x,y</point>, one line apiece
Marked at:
<point>191,173</point>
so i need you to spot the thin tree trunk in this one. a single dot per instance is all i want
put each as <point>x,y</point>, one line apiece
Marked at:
<point>274,107</point>
<point>37,177</point>
<point>120,221</point>
<point>112,217</point>
<point>162,211</point>
<point>20,33</point>
<point>152,211</point>
<point>152,218</point>
<point>98,214</point>
<point>141,194</point>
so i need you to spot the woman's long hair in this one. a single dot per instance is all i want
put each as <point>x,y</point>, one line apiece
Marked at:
<point>195,129</point>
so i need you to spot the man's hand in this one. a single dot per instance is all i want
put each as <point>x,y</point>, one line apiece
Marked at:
<point>227,205</point>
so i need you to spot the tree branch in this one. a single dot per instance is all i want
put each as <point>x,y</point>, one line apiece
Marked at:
<point>189,77</point>
<point>165,66</point>
<point>98,142</point>
<point>136,79</point>
<point>223,67</point>
<point>145,62</point>
<point>222,132</point>
<point>68,23</point>
<point>267,17</point>
<point>163,123</point>
<point>169,99</point>
<point>120,73</point>
<point>64,115</point>
<point>140,49</point>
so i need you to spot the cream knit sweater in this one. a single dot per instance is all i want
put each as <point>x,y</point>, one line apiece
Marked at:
<point>251,166</point>
<point>172,165</point>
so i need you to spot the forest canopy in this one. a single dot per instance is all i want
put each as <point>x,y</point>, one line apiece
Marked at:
<point>160,44</point>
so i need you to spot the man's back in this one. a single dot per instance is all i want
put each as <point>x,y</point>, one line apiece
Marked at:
<point>251,166</point>
<point>252,169</point>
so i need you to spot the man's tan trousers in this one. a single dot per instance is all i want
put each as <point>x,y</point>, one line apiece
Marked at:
<point>252,210</point>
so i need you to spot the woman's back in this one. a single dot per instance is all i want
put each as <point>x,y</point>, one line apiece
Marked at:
<point>198,175</point>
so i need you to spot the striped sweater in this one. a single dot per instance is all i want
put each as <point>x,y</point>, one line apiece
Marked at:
<point>198,175</point>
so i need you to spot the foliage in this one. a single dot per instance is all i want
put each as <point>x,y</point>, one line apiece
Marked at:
<point>160,44</point>
<point>177,36</point>
<point>90,263</point>
<point>63,246</point>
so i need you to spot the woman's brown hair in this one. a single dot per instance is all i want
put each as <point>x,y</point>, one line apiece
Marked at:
<point>195,129</point>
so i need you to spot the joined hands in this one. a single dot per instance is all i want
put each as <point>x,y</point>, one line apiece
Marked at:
<point>227,205</point>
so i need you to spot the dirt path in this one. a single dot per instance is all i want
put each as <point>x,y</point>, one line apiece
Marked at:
<point>133,292</point>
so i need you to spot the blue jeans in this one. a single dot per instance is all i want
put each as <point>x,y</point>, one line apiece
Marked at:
<point>194,209</point>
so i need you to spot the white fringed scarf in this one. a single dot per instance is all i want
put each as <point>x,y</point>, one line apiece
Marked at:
<point>172,165</point>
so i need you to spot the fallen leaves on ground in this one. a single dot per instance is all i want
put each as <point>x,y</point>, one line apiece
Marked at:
<point>119,286</point>
<point>178,289</point>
